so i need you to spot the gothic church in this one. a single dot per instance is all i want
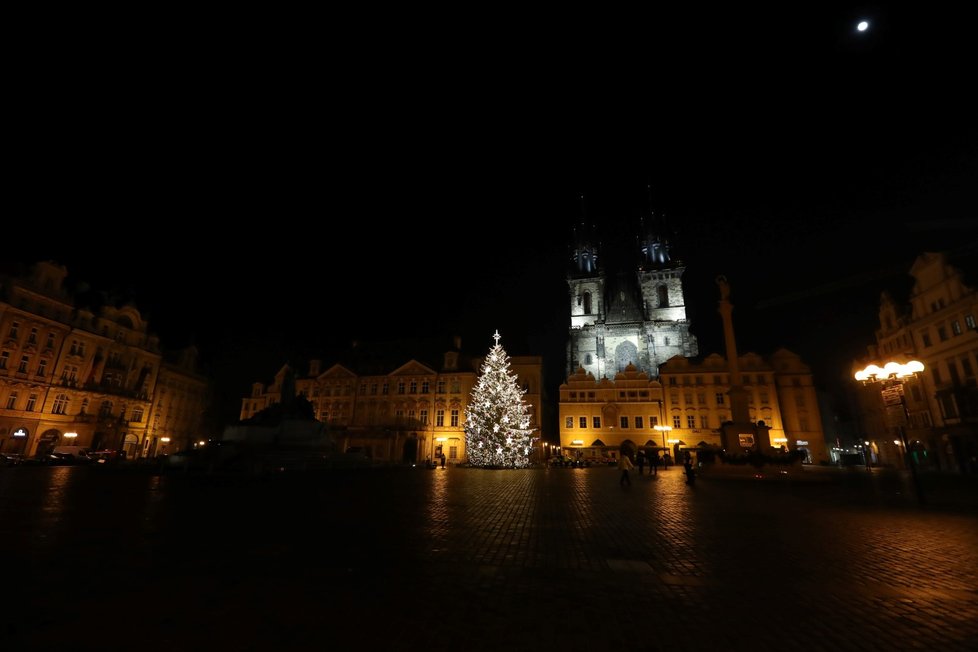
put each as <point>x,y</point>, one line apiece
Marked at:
<point>631,311</point>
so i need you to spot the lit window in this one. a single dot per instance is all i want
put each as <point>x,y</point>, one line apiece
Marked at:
<point>568,422</point>
<point>439,418</point>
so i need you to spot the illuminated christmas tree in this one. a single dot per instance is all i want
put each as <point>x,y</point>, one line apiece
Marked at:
<point>497,423</point>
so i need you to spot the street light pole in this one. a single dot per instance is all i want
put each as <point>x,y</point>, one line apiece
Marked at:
<point>663,430</point>
<point>892,377</point>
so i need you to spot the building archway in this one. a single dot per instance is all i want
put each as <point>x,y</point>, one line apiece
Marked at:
<point>47,441</point>
<point>628,448</point>
<point>130,446</point>
<point>410,450</point>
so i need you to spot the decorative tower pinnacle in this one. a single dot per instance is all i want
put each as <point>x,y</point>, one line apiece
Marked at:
<point>584,250</point>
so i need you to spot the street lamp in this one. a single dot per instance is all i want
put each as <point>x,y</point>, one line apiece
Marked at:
<point>663,430</point>
<point>891,377</point>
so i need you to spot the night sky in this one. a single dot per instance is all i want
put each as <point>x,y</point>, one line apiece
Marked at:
<point>272,189</point>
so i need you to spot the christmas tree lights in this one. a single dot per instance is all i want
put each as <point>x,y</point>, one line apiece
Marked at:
<point>497,422</point>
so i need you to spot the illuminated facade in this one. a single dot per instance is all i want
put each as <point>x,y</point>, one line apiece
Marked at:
<point>938,328</point>
<point>634,381</point>
<point>633,318</point>
<point>599,417</point>
<point>70,376</point>
<point>409,411</point>
<point>181,398</point>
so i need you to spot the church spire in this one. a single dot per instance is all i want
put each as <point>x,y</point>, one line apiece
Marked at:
<point>584,250</point>
<point>653,243</point>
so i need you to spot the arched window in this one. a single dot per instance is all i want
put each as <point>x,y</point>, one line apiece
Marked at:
<point>587,359</point>
<point>60,404</point>
<point>663,296</point>
<point>587,303</point>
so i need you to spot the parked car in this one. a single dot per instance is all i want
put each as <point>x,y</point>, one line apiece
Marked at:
<point>74,451</point>
<point>107,456</point>
<point>11,459</point>
<point>70,455</point>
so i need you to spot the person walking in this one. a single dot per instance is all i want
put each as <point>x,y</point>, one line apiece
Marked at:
<point>640,458</point>
<point>654,462</point>
<point>625,464</point>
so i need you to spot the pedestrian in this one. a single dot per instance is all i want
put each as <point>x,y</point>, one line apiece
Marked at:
<point>442,460</point>
<point>690,473</point>
<point>654,462</point>
<point>640,458</point>
<point>625,464</point>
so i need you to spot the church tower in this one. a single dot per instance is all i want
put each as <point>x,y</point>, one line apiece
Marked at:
<point>586,286</point>
<point>631,309</point>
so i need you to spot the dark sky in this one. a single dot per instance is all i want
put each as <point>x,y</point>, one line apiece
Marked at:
<point>278,185</point>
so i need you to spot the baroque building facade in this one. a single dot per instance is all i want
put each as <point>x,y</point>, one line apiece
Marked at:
<point>635,380</point>
<point>71,376</point>
<point>394,408</point>
<point>938,326</point>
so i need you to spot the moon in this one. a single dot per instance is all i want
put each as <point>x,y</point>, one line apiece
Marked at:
<point>862,26</point>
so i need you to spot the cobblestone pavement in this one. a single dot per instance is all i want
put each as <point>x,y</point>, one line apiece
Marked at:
<point>469,559</point>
